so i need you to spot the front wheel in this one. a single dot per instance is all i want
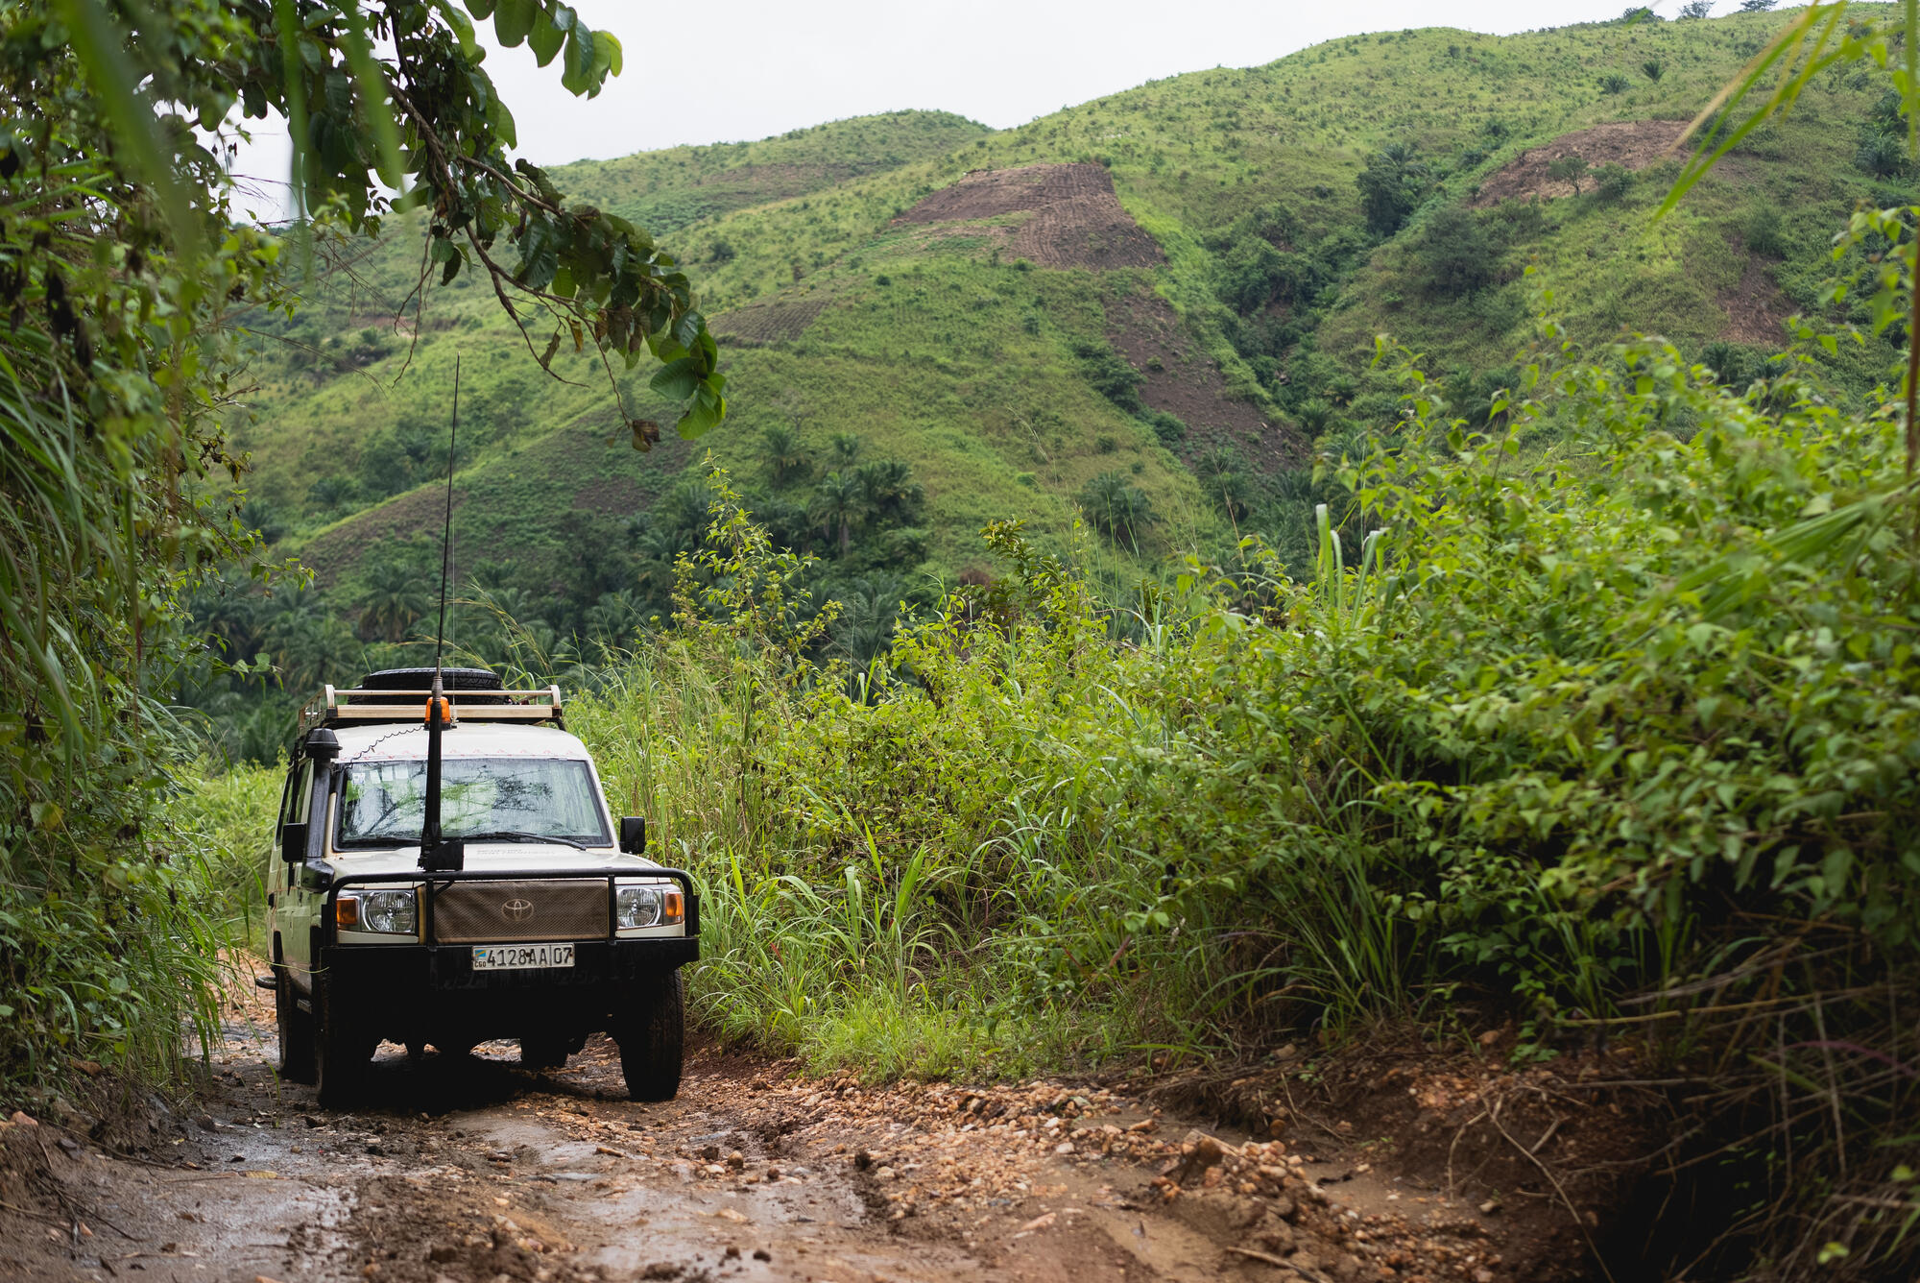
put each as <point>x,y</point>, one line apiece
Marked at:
<point>296,1029</point>
<point>341,1050</point>
<point>653,1040</point>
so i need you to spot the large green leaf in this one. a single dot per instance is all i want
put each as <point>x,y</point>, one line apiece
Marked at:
<point>576,73</point>
<point>677,380</point>
<point>548,34</point>
<point>514,19</point>
<point>706,412</point>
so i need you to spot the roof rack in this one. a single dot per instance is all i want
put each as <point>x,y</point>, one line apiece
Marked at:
<point>334,707</point>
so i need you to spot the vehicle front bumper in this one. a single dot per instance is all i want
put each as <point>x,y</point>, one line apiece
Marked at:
<point>432,993</point>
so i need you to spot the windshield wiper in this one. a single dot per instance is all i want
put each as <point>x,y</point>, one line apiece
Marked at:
<point>509,835</point>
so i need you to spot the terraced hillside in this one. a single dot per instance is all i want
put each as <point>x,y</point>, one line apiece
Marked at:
<point>1150,308</point>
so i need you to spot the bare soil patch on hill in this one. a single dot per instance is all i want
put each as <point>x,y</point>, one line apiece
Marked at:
<point>1178,377</point>
<point>1074,219</point>
<point>1634,144</point>
<point>1756,309</point>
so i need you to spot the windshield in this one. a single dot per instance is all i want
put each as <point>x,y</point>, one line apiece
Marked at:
<point>384,803</point>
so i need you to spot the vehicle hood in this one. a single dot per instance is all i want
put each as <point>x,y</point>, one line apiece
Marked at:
<point>496,857</point>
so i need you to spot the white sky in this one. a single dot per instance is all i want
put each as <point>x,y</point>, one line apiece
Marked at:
<point>751,68</point>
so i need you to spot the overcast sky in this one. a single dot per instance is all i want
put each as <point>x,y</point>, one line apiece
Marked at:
<point>748,69</point>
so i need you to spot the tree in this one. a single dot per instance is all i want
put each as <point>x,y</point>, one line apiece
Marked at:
<point>1654,69</point>
<point>384,96</point>
<point>844,447</point>
<point>1392,185</point>
<point>892,494</point>
<point>1117,508</point>
<point>1882,155</point>
<point>786,459</point>
<point>1223,479</point>
<point>1757,6</point>
<point>839,504</point>
<point>395,597</point>
<point>1568,169</point>
<point>1699,8</point>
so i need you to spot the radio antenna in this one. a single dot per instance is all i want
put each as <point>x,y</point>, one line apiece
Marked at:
<point>446,530</point>
<point>436,853</point>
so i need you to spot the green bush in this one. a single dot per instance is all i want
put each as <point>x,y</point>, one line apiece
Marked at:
<point>1453,253</point>
<point>1167,427</point>
<point>1612,181</point>
<point>1764,232</point>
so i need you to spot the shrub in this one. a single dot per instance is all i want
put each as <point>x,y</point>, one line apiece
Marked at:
<point>1110,374</point>
<point>1763,232</point>
<point>1313,414</point>
<point>1612,181</point>
<point>1454,255</point>
<point>1654,69</point>
<point>1614,83</point>
<point>1729,362</point>
<point>1168,428</point>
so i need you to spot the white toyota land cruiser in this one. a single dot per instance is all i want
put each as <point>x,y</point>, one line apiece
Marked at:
<point>532,919</point>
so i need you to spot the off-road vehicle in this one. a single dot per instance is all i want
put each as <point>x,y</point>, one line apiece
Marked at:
<point>531,917</point>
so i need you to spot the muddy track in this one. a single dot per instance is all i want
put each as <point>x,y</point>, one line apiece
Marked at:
<point>474,1169</point>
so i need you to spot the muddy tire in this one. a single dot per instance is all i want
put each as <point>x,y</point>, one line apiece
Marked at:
<point>543,1052</point>
<point>296,1030</point>
<point>341,1050</point>
<point>653,1041</point>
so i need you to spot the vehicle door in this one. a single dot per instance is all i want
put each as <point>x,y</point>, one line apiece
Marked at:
<point>294,895</point>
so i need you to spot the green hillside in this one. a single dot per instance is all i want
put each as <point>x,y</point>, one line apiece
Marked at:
<point>1152,308</point>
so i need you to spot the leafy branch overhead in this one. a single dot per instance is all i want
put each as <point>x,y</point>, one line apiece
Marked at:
<point>390,108</point>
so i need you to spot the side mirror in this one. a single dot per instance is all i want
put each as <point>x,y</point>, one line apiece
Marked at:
<point>293,843</point>
<point>633,834</point>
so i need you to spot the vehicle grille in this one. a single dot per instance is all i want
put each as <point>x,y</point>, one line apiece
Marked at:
<point>488,912</point>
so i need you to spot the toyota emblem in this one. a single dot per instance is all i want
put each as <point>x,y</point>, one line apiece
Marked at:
<point>517,910</point>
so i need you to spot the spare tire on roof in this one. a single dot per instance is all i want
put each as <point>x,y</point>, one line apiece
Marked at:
<point>457,682</point>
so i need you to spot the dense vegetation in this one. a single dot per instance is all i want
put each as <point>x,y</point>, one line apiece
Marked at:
<point>127,282</point>
<point>1392,182</point>
<point>1601,694</point>
<point>1575,691</point>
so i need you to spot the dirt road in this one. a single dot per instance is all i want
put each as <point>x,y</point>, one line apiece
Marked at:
<point>472,1168</point>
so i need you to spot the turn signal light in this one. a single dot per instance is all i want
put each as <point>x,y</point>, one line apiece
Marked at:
<point>674,910</point>
<point>346,912</point>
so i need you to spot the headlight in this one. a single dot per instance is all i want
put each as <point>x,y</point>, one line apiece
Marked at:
<point>640,907</point>
<point>648,907</point>
<point>389,912</point>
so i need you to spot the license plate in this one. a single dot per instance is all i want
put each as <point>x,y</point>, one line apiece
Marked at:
<point>521,957</point>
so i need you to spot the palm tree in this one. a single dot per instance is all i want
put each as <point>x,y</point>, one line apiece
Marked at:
<point>892,492</point>
<point>1117,508</point>
<point>840,503</point>
<point>786,459</point>
<point>1223,480</point>
<point>845,449</point>
<point>869,611</point>
<point>396,596</point>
